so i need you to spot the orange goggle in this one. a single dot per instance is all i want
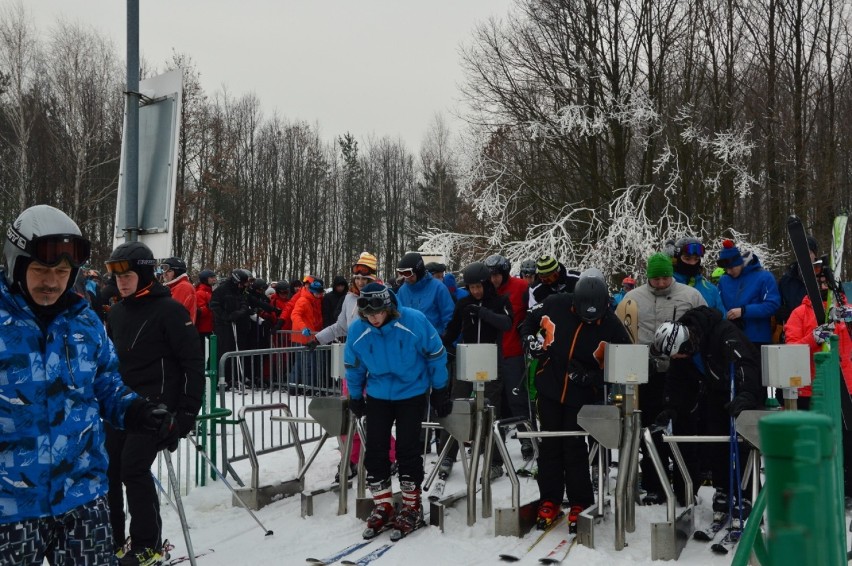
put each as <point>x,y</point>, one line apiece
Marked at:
<point>359,269</point>
<point>121,266</point>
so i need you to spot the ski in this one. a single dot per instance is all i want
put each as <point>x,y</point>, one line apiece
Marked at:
<point>798,239</point>
<point>559,552</point>
<point>730,540</point>
<point>437,489</point>
<point>518,554</point>
<point>370,556</point>
<point>182,559</point>
<point>342,553</point>
<point>708,534</point>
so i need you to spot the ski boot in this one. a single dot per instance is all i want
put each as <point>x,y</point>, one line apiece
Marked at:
<point>410,517</point>
<point>573,515</point>
<point>738,518</point>
<point>720,506</point>
<point>548,513</point>
<point>381,519</point>
<point>653,498</point>
<point>527,449</point>
<point>123,548</point>
<point>141,557</point>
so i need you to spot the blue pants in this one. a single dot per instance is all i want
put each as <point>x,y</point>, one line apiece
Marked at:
<point>80,537</point>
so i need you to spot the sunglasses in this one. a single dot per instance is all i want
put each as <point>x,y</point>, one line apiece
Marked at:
<point>50,250</point>
<point>693,249</point>
<point>375,302</point>
<point>405,272</point>
<point>358,269</point>
<point>122,266</point>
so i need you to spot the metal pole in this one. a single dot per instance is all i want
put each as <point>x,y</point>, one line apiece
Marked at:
<point>131,169</point>
<point>179,504</point>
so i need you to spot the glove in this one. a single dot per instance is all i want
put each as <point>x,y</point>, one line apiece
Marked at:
<point>664,417</point>
<point>578,374</point>
<point>185,423</point>
<point>311,344</point>
<point>158,421</point>
<point>823,332</point>
<point>277,311</point>
<point>473,311</point>
<point>740,403</point>
<point>533,347</point>
<point>358,407</point>
<point>441,403</point>
<point>840,313</point>
<point>306,332</point>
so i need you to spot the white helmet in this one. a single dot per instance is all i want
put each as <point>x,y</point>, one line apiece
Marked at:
<point>672,338</point>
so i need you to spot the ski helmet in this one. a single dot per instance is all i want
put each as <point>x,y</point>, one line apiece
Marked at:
<point>591,297</point>
<point>414,262</point>
<point>282,287</point>
<point>476,272</point>
<point>628,282</point>
<point>498,264</point>
<point>175,264</point>
<point>241,276</point>
<point>689,246</point>
<point>672,338</point>
<point>259,285</point>
<point>528,267</point>
<point>47,235</point>
<point>136,257</point>
<point>435,267</point>
<point>205,275</point>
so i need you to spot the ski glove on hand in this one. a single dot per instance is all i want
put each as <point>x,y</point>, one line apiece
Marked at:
<point>441,403</point>
<point>664,417</point>
<point>144,416</point>
<point>840,313</point>
<point>533,347</point>
<point>740,403</point>
<point>823,332</point>
<point>185,423</point>
<point>358,407</point>
<point>306,332</point>
<point>473,311</point>
<point>311,344</point>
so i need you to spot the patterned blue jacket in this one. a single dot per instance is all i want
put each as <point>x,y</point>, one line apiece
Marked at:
<point>55,386</point>
<point>400,360</point>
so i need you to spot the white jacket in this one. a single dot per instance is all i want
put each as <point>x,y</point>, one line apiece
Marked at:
<point>657,307</point>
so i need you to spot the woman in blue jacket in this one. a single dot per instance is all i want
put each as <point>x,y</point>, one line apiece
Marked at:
<point>396,354</point>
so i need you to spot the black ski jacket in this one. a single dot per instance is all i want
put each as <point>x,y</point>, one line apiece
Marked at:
<point>495,318</point>
<point>571,346</point>
<point>158,349</point>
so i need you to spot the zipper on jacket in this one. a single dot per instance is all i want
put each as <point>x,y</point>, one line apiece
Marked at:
<point>135,338</point>
<point>68,361</point>
<point>570,356</point>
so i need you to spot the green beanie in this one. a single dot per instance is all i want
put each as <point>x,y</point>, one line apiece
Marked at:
<point>659,265</point>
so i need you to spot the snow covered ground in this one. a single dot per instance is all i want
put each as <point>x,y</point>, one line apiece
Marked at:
<point>237,539</point>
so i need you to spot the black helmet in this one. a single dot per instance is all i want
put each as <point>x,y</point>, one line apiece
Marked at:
<point>498,264</point>
<point>413,261</point>
<point>176,264</point>
<point>240,275</point>
<point>47,235</point>
<point>476,272</point>
<point>259,285</point>
<point>136,257</point>
<point>591,296</point>
<point>205,275</point>
<point>282,286</point>
<point>528,267</point>
<point>435,267</point>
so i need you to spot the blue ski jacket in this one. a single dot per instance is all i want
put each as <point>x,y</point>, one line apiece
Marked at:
<point>399,360</point>
<point>56,385</point>
<point>431,297</point>
<point>709,291</point>
<point>757,293</point>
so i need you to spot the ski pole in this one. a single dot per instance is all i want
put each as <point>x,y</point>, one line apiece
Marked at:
<point>227,484</point>
<point>179,503</point>
<point>735,474</point>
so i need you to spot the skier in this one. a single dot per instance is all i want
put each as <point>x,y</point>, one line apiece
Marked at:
<point>627,285</point>
<point>482,317</point>
<point>688,253</point>
<point>703,346</point>
<point>423,292</point>
<point>159,358</point>
<point>179,285</point>
<point>791,288</point>
<point>574,329</point>
<point>396,354</point>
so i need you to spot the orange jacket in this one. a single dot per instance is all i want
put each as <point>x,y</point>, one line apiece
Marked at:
<point>307,314</point>
<point>799,330</point>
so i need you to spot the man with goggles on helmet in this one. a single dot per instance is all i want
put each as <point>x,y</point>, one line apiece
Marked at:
<point>397,355</point>
<point>62,384</point>
<point>688,255</point>
<point>703,347</point>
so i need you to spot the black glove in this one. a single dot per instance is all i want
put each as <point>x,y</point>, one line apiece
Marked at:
<point>473,311</point>
<point>740,403</point>
<point>532,346</point>
<point>441,403</point>
<point>358,407</point>
<point>146,417</point>
<point>185,423</point>
<point>312,344</point>
<point>578,374</point>
<point>664,417</point>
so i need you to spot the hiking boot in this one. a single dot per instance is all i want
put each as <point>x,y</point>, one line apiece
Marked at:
<point>548,512</point>
<point>527,449</point>
<point>445,468</point>
<point>141,557</point>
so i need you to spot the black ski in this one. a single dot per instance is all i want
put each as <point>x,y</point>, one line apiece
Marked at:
<point>724,546</point>
<point>182,559</point>
<point>799,241</point>
<point>708,534</point>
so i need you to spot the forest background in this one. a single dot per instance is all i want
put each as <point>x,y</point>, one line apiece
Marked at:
<point>595,131</point>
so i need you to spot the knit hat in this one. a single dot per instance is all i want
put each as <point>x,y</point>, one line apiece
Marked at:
<point>317,285</point>
<point>813,245</point>
<point>367,260</point>
<point>730,255</point>
<point>546,264</point>
<point>659,265</point>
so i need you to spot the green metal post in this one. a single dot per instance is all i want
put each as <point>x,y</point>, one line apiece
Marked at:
<point>213,375</point>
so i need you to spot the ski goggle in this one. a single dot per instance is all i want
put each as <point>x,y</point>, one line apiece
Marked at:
<point>405,272</point>
<point>365,277</point>
<point>818,267</point>
<point>359,269</point>
<point>122,266</point>
<point>165,267</point>
<point>374,303</point>
<point>51,250</point>
<point>693,248</point>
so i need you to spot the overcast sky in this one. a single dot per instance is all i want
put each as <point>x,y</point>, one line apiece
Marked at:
<point>382,67</point>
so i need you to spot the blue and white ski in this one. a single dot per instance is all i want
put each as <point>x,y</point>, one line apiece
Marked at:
<point>369,557</point>
<point>342,553</point>
<point>728,542</point>
<point>709,533</point>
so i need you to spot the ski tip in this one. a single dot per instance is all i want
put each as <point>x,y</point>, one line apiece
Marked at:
<point>509,558</point>
<point>719,549</point>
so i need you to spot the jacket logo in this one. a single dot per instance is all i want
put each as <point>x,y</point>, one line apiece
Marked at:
<point>78,337</point>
